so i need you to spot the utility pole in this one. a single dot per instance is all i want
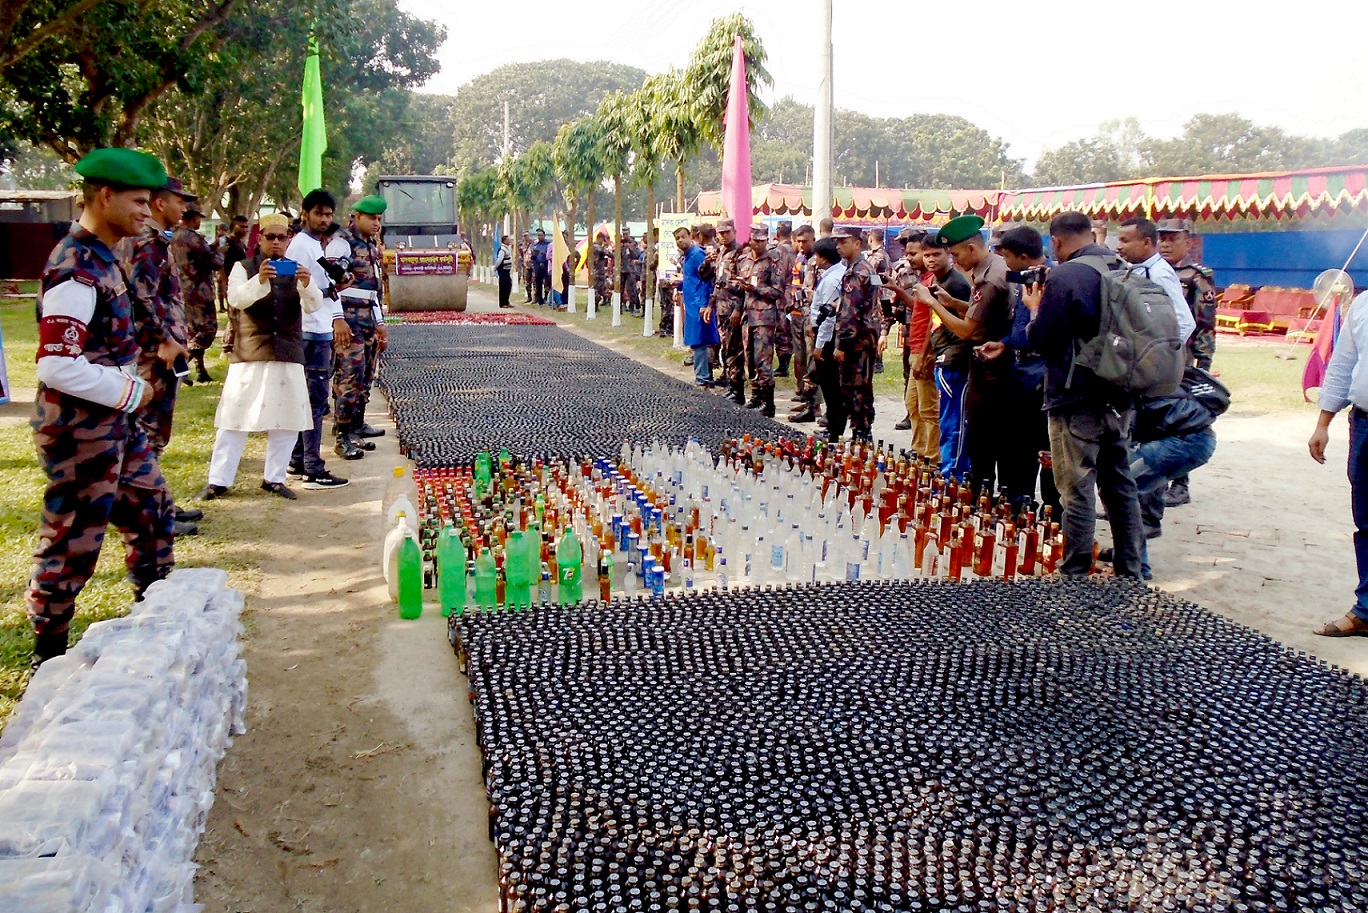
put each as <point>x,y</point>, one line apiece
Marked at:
<point>508,217</point>
<point>822,126</point>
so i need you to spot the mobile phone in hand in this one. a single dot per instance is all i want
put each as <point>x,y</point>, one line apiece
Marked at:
<point>180,367</point>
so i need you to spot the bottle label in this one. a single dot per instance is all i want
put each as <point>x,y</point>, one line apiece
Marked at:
<point>777,556</point>
<point>852,571</point>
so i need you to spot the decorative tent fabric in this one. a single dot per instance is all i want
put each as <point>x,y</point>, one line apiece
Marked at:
<point>863,202</point>
<point>1310,193</point>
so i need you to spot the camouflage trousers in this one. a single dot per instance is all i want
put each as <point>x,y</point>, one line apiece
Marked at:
<point>760,356</point>
<point>99,473</point>
<point>1201,347</point>
<point>856,373</point>
<point>156,419</point>
<point>783,334</point>
<point>733,346</point>
<point>800,343</point>
<point>354,369</point>
<point>201,325</point>
<point>631,296</point>
<point>603,292</point>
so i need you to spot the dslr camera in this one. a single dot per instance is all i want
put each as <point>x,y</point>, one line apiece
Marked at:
<point>1028,277</point>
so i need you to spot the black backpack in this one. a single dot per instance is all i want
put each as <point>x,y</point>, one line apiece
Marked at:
<point>1137,347</point>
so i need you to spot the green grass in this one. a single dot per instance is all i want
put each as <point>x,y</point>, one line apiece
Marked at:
<point>232,534</point>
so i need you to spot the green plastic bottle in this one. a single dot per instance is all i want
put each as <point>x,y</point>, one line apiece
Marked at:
<point>410,578</point>
<point>569,566</point>
<point>484,473</point>
<point>486,580</point>
<point>518,572</point>
<point>451,571</point>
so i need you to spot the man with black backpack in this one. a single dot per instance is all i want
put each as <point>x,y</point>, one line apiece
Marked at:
<point>1090,419</point>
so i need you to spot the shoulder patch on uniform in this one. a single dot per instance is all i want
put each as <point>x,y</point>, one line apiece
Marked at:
<point>85,277</point>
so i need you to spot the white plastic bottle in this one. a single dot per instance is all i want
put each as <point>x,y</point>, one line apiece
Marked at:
<point>389,563</point>
<point>401,494</point>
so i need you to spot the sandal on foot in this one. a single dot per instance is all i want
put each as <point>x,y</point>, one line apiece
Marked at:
<point>1357,628</point>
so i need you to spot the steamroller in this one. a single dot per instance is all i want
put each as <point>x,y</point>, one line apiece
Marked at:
<point>427,260</point>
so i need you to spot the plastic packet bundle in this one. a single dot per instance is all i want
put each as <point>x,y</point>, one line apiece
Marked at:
<point>107,769</point>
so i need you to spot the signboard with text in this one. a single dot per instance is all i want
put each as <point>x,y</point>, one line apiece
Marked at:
<point>426,263</point>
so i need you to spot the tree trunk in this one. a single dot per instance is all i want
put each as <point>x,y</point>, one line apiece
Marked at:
<point>679,186</point>
<point>617,241</point>
<point>589,244</point>
<point>648,287</point>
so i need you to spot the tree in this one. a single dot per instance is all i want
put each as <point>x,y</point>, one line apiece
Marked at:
<point>479,200</point>
<point>542,96</point>
<point>1080,161</point>
<point>1219,143</point>
<point>227,137</point>
<point>38,168</point>
<point>707,78</point>
<point>675,124</point>
<point>580,165</point>
<point>85,90</point>
<point>615,115</point>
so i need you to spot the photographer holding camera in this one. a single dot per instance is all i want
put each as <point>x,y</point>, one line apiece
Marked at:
<point>1028,433</point>
<point>1090,420</point>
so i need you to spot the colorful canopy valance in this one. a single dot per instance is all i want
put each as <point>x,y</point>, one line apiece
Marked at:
<point>862,202</point>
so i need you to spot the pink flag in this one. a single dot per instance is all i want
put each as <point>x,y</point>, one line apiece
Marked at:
<point>1321,350</point>
<point>736,159</point>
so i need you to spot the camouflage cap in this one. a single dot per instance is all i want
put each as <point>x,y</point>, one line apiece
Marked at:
<point>1170,226</point>
<point>174,185</point>
<point>841,234</point>
<point>726,225</point>
<point>119,167</point>
<point>759,232</point>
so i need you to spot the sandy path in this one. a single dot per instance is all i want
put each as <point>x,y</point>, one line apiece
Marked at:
<point>358,786</point>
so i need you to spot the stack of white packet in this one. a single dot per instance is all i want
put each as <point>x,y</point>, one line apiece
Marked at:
<point>107,768</point>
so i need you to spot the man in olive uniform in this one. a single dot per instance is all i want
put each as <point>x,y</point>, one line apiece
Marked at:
<point>1175,244</point>
<point>761,275</point>
<point>882,264</point>
<point>525,265</point>
<point>719,268</point>
<point>354,365</point>
<point>198,263</point>
<point>159,318</point>
<point>100,465</point>
<point>857,333</point>
<point>783,332</point>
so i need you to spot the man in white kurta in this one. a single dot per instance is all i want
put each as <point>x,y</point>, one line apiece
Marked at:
<point>265,390</point>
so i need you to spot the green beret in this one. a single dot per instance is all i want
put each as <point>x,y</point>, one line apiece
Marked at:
<point>958,230</point>
<point>122,168</point>
<point>372,205</point>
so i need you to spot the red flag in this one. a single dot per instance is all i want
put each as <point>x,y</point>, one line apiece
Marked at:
<point>736,157</point>
<point>1324,347</point>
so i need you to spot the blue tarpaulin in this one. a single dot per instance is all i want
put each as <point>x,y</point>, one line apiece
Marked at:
<point>1292,259</point>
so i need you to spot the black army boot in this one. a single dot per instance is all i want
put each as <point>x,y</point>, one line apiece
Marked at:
<point>783,369</point>
<point>767,406</point>
<point>348,447</point>
<point>357,438</point>
<point>47,645</point>
<point>757,399</point>
<point>202,373</point>
<point>803,414</point>
<point>737,394</point>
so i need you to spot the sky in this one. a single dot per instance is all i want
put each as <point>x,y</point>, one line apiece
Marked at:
<point>989,61</point>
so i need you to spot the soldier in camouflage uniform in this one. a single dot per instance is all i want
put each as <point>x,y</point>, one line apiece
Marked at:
<point>882,264</point>
<point>354,363</point>
<point>525,265</point>
<point>800,299</point>
<point>762,276</point>
<point>100,465</point>
<point>629,272</point>
<point>601,268</point>
<point>198,263</point>
<point>1175,242</point>
<point>857,334</point>
<point>160,320</point>
<point>720,268</point>
<point>783,330</point>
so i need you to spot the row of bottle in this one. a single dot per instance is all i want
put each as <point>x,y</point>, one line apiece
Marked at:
<point>674,518</point>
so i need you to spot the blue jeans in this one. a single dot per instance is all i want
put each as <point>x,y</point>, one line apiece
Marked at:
<point>1090,450</point>
<point>702,371</point>
<point>318,371</point>
<point>1358,488</point>
<point>1156,463</point>
<point>952,387</point>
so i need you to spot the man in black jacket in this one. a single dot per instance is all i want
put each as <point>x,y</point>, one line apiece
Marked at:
<point>1090,419</point>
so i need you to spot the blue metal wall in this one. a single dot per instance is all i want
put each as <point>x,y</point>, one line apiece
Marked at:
<point>1291,259</point>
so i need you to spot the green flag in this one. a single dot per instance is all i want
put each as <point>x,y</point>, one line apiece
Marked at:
<point>315,139</point>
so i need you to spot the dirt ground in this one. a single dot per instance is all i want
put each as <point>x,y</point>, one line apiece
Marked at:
<point>357,787</point>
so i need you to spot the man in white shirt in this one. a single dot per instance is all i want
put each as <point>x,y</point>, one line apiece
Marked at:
<point>1138,245</point>
<point>323,328</point>
<point>1346,385</point>
<point>826,303</point>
